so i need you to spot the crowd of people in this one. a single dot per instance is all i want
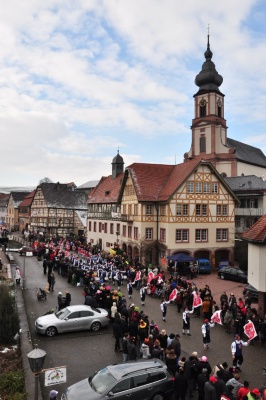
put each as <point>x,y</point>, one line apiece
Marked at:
<point>101,278</point>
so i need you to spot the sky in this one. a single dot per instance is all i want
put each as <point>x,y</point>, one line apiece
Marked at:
<point>80,80</point>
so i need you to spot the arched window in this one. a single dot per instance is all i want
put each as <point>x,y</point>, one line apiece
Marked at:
<point>202,108</point>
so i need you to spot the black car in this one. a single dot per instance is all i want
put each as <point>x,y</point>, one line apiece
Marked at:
<point>253,291</point>
<point>135,380</point>
<point>233,274</point>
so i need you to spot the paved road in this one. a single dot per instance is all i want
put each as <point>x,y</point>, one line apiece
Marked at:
<point>84,352</point>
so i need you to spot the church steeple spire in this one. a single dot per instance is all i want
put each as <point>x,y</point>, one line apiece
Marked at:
<point>208,80</point>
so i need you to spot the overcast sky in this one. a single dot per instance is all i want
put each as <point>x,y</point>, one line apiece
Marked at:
<point>81,79</point>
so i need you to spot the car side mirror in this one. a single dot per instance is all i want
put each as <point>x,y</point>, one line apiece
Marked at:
<point>111,394</point>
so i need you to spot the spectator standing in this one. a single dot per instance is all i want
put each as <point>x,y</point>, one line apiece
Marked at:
<point>209,389</point>
<point>243,391</point>
<point>180,385</point>
<point>68,298</point>
<point>51,282</point>
<point>60,301</point>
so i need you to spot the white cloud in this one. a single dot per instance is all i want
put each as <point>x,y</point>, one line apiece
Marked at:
<point>80,79</point>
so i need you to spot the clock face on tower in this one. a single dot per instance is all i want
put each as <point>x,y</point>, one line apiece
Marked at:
<point>219,103</point>
<point>202,103</point>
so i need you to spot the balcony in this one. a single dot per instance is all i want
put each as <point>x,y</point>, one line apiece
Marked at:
<point>127,218</point>
<point>249,212</point>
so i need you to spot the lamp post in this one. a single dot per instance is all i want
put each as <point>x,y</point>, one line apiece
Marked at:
<point>24,272</point>
<point>36,359</point>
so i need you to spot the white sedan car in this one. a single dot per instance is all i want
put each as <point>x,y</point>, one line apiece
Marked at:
<point>72,318</point>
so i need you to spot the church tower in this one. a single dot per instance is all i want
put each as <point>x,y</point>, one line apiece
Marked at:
<point>117,165</point>
<point>209,130</point>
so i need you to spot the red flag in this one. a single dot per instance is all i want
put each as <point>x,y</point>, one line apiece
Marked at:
<point>197,302</point>
<point>150,276</point>
<point>249,330</point>
<point>138,276</point>
<point>173,295</point>
<point>216,317</point>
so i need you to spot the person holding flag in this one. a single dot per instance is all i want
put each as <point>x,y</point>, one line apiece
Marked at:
<point>236,349</point>
<point>206,332</point>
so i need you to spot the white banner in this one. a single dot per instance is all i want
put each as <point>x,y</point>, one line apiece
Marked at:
<point>53,376</point>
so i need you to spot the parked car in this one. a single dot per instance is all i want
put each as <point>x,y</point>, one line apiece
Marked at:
<point>252,290</point>
<point>233,274</point>
<point>136,380</point>
<point>25,250</point>
<point>72,318</point>
<point>224,263</point>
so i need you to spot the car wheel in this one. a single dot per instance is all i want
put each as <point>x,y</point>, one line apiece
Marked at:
<point>95,326</point>
<point>222,276</point>
<point>158,396</point>
<point>51,331</point>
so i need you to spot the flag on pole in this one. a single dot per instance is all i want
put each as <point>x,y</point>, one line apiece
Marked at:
<point>150,276</point>
<point>216,317</point>
<point>249,330</point>
<point>138,276</point>
<point>197,302</point>
<point>173,295</point>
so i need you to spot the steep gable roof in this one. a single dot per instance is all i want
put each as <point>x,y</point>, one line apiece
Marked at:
<point>247,153</point>
<point>18,197</point>
<point>257,233</point>
<point>28,199</point>
<point>107,190</point>
<point>60,195</point>
<point>157,182</point>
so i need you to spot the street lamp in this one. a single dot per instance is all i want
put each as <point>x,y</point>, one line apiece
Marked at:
<point>24,273</point>
<point>36,359</point>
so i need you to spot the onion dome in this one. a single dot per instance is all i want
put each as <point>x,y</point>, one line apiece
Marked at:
<point>208,79</point>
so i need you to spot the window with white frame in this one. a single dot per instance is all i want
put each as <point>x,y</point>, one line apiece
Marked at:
<point>222,235</point>
<point>182,209</point>
<point>219,210</point>
<point>162,234</point>
<point>148,209</point>
<point>190,187</point>
<point>225,210</point>
<point>207,187</point>
<point>202,210</point>
<point>215,187</point>
<point>163,209</point>
<point>149,234</point>
<point>201,235</point>
<point>198,187</point>
<point>181,235</point>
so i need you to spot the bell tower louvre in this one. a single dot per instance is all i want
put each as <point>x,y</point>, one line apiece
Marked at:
<point>209,130</point>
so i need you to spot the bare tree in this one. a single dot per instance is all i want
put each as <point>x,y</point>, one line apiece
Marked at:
<point>45,180</point>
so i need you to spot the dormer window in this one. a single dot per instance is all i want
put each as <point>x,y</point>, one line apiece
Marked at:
<point>202,109</point>
<point>107,192</point>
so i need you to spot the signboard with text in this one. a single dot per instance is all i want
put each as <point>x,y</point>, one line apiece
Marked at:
<point>53,376</point>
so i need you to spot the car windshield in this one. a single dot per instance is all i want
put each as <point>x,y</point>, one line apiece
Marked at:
<point>63,313</point>
<point>102,381</point>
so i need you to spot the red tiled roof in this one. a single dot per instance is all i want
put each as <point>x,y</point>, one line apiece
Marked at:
<point>257,233</point>
<point>107,190</point>
<point>28,199</point>
<point>157,182</point>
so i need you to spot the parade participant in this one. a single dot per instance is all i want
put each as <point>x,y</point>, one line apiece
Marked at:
<point>186,322</point>
<point>205,329</point>
<point>236,348</point>
<point>129,289</point>
<point>163,306</point>
<point>142,293</point>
